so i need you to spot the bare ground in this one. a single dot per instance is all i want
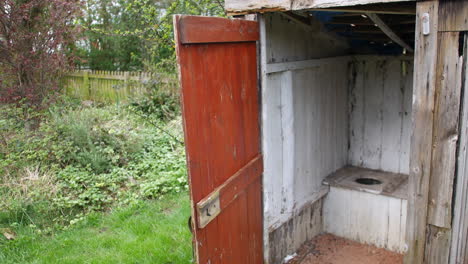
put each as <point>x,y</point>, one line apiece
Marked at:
<point>329,249</point>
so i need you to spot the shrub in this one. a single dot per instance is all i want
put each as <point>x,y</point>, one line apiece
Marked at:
<point>161,101</point>
<point>82,160</point>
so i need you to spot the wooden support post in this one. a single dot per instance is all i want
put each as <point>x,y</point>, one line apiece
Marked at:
<point>421,143</point>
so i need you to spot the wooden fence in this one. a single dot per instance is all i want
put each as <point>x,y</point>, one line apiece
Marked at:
<point>114,86</point>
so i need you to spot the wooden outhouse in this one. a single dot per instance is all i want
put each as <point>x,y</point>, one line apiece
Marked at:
<point>347,117</point>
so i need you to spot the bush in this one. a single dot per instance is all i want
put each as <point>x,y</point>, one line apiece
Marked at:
<point>161,101</point>
<point>81,160</point>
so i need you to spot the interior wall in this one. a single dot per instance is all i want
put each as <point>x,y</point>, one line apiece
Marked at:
<point>287,96</point>
<point>287,40</point>
<point>380,94</point>
<point>304,128</point>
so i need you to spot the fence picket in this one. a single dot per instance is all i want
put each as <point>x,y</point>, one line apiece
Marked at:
<point>112,86</point>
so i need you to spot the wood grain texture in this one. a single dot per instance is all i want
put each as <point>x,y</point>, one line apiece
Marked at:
<point>219,98</point>
<point>454,14</point>
<point>445,138</point>
<point>445,134</point>
<point>290,183</point>
<point>437,245</point>
<point>421,138</point>
<point>302,226</point>
<point>367,218</point>
<point>459,250</point>
<point>380,94</point>
<point>197,29</point>
<point>236,184</point>
<point>288,41</point>
<point>251,6</point>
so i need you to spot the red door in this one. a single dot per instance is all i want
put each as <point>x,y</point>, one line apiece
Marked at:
<point>218,74</point>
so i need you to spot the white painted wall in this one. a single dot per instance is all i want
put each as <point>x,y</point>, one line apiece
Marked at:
<point>367,218</point>
<point>287,40</point>
<point>305,124</point>
<point>380,95</point>
<point>301,110</point>
<point>319,115</point>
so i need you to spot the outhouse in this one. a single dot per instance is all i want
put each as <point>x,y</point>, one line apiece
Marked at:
<point>348,117</point>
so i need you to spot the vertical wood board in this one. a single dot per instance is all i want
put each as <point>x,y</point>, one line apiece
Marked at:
<point>445,134</point>
<point>379,108</point>
<point>221,125</point>
<point>459,250</point>
<point>453,15</point>
<point>367,218</point>
<point>425,60</point>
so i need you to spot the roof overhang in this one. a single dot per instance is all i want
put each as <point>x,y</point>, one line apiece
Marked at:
<point>239,7</point>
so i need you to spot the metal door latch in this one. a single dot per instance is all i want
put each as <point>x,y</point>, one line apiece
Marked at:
<point>208,209</point>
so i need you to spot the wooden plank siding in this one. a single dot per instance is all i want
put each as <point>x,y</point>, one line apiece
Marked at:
<point>438,85</point>
<point>251,6</point>
<point>454,14</point>
<point>445,134</point>
<point>421,138</point>
<point>459,250</point>
<point>379,107</point>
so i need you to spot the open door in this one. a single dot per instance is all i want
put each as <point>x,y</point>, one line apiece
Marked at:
<point>218,75</point>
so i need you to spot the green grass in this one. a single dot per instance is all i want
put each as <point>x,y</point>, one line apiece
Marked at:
<point>153,232</point>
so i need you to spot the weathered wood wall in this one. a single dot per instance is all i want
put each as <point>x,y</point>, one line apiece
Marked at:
<point>289,41</point>
<point>435,136</point>
<point>365,217</point>
<point>380,97</point>
<point>459,243</point>
<point>306,113</point>
<point>304,117</point>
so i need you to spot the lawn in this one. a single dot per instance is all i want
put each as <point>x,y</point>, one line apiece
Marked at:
<point>151,232</point>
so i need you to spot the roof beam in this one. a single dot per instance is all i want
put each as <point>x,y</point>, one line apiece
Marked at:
<point>376,9</point>
<point>388,31</point>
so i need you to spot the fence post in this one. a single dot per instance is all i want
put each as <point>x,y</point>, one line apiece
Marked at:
<point>126,78</point>
<point>86,84</point>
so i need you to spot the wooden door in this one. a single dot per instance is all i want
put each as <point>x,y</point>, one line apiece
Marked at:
<point>218,75</point>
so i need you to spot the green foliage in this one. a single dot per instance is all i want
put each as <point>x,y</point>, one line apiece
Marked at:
<point>160,102</point>
<point>147,232</point>
<point>137,34</point>
<point>84,159</point>
<point>100,138</point>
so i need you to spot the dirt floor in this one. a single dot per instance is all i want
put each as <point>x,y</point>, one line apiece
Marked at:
<point>329,249</point>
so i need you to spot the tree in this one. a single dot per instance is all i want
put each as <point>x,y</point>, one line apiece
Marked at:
<point>36,46</point>
<point>136,34</point>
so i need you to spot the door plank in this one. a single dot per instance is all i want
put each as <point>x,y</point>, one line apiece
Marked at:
<point>197,29</point>
<point>220,105</point>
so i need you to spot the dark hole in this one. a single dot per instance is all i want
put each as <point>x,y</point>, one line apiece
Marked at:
<point>368,181</point>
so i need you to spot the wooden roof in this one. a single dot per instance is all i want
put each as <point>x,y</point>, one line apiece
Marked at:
<point>234,7</point>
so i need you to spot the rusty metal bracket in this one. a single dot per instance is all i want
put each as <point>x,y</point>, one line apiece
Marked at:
<point>208,209</point>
